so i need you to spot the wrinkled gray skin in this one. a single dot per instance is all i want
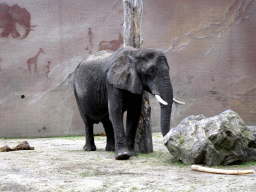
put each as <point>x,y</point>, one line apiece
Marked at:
<point>108,84</point>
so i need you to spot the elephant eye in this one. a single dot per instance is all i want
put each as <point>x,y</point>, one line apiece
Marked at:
<point>150,56</point>
<point>151,72</point>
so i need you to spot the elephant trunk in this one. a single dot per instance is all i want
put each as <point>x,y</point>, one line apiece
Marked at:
<point>165,118</point>
<point>166,110</point>
<point>164,95</point>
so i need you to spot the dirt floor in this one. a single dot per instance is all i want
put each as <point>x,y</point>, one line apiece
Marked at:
<point>60,164</point>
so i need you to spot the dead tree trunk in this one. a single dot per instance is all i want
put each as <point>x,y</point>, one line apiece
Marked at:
<point>133,10</point>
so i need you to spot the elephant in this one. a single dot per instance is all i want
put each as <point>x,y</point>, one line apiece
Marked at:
<point>9,16</point>
<point>108,84</point>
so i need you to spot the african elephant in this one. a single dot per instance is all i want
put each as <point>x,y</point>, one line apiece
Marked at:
<point>9,16</point>
<point>107,84</point>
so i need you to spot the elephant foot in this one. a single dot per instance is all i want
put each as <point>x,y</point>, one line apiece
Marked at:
<point>110,148</point>
<point>110,144</point>
<point>122,154</point>
<point>131,149</point>
<point>89,147</point>
<point>132,152</point>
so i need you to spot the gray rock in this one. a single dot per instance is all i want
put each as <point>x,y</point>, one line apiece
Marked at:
<point>220,140</point>
<point>252,129</point>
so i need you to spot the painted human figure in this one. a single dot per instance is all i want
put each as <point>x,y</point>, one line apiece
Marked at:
<point>0,64</point>
<point>47,69</point>
<point>90,37</point>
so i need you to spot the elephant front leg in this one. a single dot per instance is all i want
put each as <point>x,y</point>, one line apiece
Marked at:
<point>115,107</point>
<point>121,149</point>
<point>132,120</point>
<point>89,145</point>
<point>15,33</point>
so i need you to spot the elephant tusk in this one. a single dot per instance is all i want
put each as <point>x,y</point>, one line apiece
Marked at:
<point>178,102</point>
<point>161,100</point>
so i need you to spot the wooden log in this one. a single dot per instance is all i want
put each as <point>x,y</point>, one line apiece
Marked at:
<point>21,146</point>
<point>221,171</point>
<point>143,139</point>
<point>5,149</point>
<point>133,10</point>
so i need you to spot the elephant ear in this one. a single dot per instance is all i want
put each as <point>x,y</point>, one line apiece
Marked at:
<point>122,74</point>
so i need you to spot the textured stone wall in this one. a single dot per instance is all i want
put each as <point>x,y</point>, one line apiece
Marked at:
<point>210,47</point>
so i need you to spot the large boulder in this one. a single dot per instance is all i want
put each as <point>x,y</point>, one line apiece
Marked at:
<point>220,140</point>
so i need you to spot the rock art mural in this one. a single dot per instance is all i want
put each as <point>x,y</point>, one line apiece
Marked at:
<point>210,47</point>
<point>12,15</point>
<point>111,45</point>
<point>33,60</point>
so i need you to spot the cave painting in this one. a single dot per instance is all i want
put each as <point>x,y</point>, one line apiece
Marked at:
<point>90,37</point>
<point>47,67</point>
<point>10,16</point>
<point>33,60</point>
<point>111,45</point>
<point>0,64</point>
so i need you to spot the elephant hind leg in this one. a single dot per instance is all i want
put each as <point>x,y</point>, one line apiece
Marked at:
<point>89,145</point>
<point>110,134</point>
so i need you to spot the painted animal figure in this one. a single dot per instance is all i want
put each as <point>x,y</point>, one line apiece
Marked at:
<point>0,64</point>
<point>33,60</point>
<point>10,16</point>
<point>111,45</point>
<point>108,84</point>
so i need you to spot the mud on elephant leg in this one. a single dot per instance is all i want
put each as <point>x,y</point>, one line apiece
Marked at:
<point>89,145</point>
<point>110,134</point>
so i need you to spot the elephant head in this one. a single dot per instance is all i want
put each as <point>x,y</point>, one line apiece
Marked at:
<point>137,70</point>
<point>10,16</point>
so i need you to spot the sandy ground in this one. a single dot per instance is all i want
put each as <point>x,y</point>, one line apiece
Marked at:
<point>60,164</point>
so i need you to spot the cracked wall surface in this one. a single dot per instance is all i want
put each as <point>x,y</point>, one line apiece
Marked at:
<point>210,47</point>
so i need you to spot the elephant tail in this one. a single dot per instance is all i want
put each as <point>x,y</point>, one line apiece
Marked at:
<point>80,107</point>
<point>68,82</point>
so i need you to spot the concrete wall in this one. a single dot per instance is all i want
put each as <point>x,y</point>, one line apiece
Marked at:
<point>210,47</point>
